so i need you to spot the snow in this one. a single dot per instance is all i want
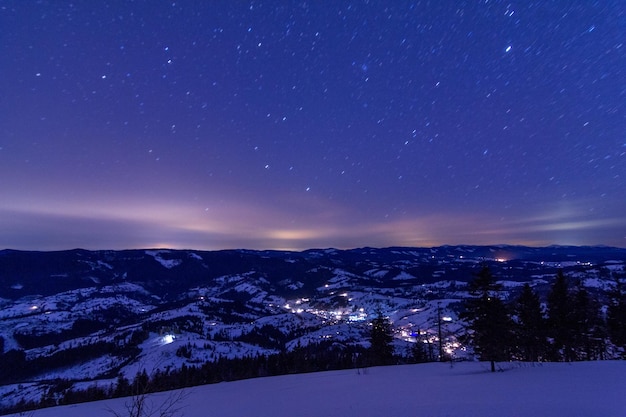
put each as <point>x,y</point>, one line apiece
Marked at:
<point>125,287</point>
<point>376,273</point>
<point>105,265</point>
<point>89,369</point>
<point>596,283</point>
<point>196,256</point>
<point>296,285</point>
<point>511,284</point>
<point>467,389</point>
<point>167,263</point>
<point>402,276</point>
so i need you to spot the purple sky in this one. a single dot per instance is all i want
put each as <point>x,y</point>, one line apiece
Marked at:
<point>290,125</point>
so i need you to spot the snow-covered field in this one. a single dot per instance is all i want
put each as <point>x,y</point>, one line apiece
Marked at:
<point>467,389</point>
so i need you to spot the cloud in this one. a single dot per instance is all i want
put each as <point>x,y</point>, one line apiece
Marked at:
<point>280,223</point>
<point>562,226</point>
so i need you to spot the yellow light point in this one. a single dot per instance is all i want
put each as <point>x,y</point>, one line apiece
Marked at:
<point>292,234</point>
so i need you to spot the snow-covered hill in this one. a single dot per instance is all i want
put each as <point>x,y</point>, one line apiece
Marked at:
<point>468,389</point>
<point>88,317</point>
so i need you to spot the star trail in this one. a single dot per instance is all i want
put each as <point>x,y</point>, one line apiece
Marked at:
<point>295,124</point>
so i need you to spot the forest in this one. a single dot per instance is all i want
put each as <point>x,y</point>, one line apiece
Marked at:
<point>568,324</point>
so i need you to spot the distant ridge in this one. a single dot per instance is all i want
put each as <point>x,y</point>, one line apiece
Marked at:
<point>80,267</point>
<point>84,316</point>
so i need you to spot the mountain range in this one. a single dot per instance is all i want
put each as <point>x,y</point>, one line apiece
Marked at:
<point>87,317</point>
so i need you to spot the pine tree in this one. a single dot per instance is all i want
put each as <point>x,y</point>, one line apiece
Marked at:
<point>560,319</point>
<point>589,332</point>
<point>381,338</point>
<point>489,322</point>
<point>122,387</point>
<point>530,326</point>
<point>616,313</point>
<point>419,352</point>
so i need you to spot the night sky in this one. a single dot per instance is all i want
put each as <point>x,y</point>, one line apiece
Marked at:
<point>293,125</point>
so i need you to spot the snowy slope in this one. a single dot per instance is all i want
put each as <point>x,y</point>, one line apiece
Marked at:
<point>582,389</point>
<point>89,316</point>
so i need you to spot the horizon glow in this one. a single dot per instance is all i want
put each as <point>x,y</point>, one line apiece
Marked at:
<point>260,125</point>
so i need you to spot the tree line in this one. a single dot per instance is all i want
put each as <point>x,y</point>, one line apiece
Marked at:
<point>570,325</point>
<point>322,356</point>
